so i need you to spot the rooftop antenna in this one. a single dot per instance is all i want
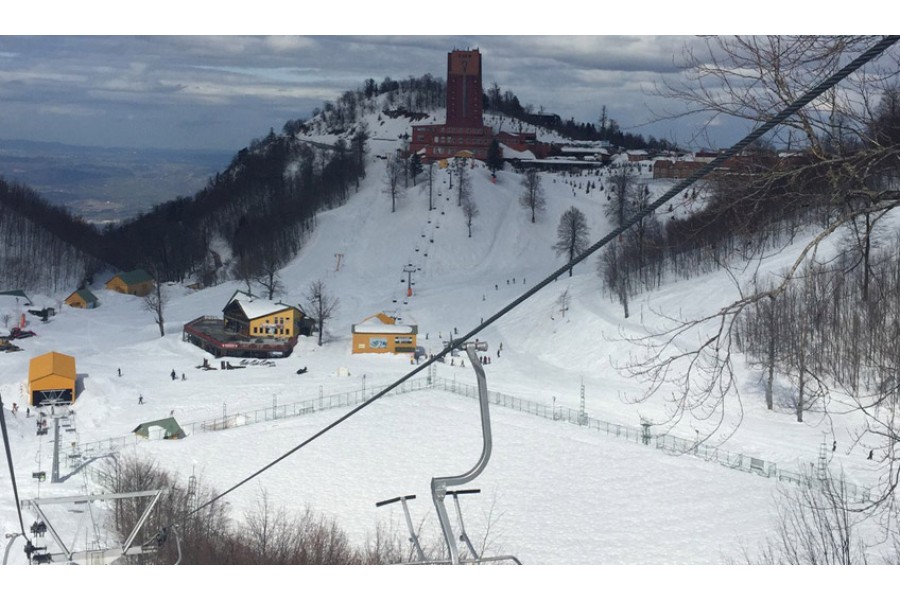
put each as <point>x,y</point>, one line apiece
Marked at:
<point>439,485</point>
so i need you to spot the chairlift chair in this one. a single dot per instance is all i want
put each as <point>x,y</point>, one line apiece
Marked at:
<point>439,485</point>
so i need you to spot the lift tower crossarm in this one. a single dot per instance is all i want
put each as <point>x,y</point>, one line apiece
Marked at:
<point>108,555</point>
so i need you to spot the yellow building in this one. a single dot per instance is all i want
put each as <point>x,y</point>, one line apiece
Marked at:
<point>381,333</point>
<point>51,379</point>
<point>82,298</point>
<point>251,317</point>
<point>136,283</point>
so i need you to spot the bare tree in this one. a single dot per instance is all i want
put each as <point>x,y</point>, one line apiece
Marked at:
<point>464,182</point>
<point>621,184</point>
<point>267,535</point>
<point>470,211</point>
<point>532,196</point>
<point>612,268</point>
<point>838,174</point>
<point>429,174</point>
<point>394,172</point>
<point>816,525</point>
<point>572,234</point>
<point>270,279</point>
<point>751,78</point>
<point>319,305</point>
<point>155,302</point>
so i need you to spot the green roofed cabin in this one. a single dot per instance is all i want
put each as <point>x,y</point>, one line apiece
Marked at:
<point>171,429</point>
<point>137,283</point>
<point>17,294</point>
<point>82,298</point>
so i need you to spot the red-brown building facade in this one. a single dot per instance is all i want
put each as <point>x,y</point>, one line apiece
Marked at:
<point>465,104</point>
<point>464,130</point>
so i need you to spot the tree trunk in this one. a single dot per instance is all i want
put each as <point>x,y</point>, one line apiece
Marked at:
<point>800,388</point>
<point>771,357</point>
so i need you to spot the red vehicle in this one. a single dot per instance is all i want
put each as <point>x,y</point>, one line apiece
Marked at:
<point>17,334</point>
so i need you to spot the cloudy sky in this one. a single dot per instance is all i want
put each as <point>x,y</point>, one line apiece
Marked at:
<point>195,90</point>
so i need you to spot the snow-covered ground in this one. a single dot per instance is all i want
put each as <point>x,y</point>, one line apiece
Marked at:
<point>553,493</point>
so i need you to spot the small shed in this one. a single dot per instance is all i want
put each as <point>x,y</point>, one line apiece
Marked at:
<point>51,379</point>
<point>171,429</point>
<point>82,298</point>
<point>380,333</point>
<point>137,283</point>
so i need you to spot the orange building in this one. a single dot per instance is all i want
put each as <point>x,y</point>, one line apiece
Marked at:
<point>380,334</point>
<point>136,283</point>
<point>82,298</point>
<point>51,379</point>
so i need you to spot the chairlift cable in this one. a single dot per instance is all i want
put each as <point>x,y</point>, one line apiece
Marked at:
<point>12,472</point>
<point>876,50</point>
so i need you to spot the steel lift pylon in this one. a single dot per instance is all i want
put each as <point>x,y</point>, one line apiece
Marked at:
<point>440,485</point>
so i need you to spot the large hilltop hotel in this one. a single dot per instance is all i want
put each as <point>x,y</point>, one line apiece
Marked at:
<point>464,133</point>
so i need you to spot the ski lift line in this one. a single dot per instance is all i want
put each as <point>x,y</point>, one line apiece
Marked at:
<point>876,50</point>
<point>12,472</point>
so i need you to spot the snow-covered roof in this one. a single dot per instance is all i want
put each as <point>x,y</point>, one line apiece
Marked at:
<point>563,161</point>
<point>584,150</point>
<point>376,324</point>
<point>255,307</point>
<point>379,327</point>
<point>511,153</point>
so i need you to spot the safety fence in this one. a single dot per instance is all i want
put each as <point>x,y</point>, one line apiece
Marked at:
<point>670,444</point>
<point>253,416</point>
<point>667,443</point>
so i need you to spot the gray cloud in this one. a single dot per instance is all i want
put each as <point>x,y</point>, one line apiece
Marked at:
<point>160,90</point>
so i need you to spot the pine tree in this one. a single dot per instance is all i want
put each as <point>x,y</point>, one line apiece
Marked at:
<point>495,157</point>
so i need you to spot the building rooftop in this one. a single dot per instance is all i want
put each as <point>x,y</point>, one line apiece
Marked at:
<point>254,307</point>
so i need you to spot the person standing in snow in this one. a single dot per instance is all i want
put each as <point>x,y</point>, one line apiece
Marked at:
<point>141,399</point>
<point>173,375</point>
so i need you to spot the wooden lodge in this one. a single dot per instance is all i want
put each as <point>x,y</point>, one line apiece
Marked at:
<point>136,283</point>
<point>82,298</point>
<point>250,327</point>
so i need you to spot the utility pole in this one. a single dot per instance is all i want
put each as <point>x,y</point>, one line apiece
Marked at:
<point>582,414</point>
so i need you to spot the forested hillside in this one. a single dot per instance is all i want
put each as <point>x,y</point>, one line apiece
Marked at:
<point>43,246</point>
<point>250,219</point>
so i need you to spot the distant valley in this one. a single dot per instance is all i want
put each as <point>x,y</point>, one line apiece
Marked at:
<point>105,185</point>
